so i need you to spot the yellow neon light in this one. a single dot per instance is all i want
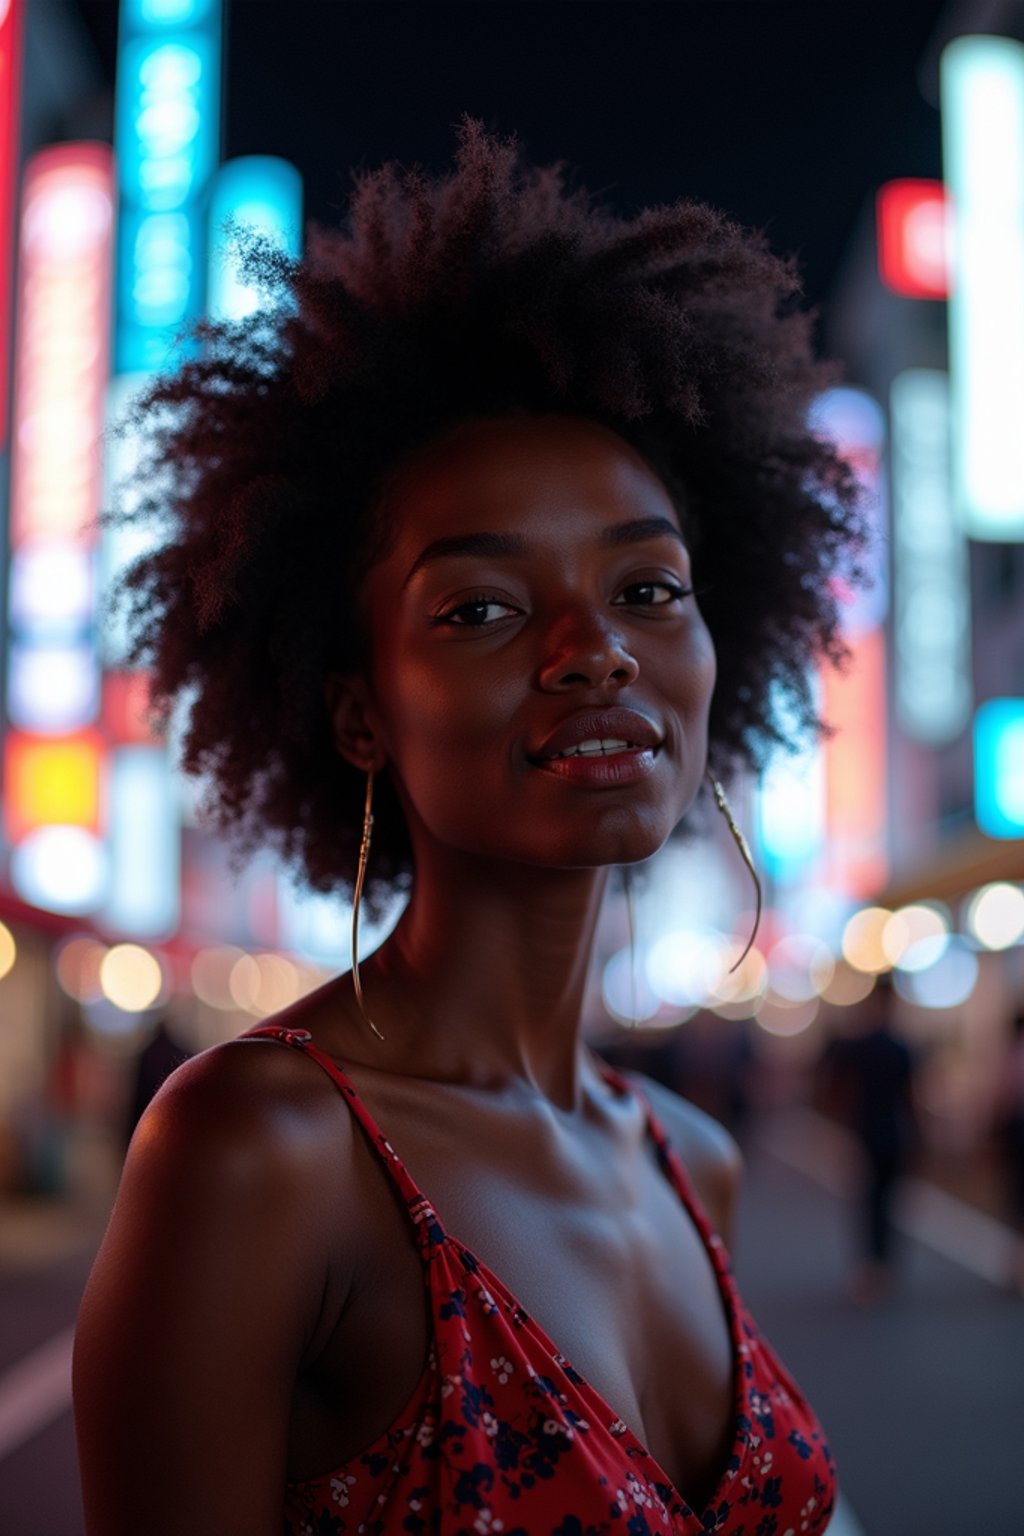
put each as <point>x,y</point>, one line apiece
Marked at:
<point>52,782</point>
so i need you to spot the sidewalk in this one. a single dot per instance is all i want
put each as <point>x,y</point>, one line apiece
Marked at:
<point>920,1396</point>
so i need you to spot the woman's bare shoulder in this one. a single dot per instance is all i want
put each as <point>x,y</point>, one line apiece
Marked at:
<point>708,1151</point>
<point>221,1271</point>
<point>247,1137</point>
<point>246,1109</point>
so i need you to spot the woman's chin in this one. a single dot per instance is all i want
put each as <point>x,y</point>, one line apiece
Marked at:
<point>604,847</point>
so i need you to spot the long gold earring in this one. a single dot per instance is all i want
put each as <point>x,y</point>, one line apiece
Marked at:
<point>742,845</point>
<point>364,854</point>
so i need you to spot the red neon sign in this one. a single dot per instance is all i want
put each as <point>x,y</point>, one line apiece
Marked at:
<point>63,324</point>
<point>855,756</point>
<point>913,219</point>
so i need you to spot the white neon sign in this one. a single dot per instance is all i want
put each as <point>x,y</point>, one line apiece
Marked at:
<point>982,82</point>
<point>932,613</point>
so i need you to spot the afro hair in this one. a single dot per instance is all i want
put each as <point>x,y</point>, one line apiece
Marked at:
<point>491,288</point>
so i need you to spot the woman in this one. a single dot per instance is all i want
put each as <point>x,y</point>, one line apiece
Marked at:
<point>429,570</point>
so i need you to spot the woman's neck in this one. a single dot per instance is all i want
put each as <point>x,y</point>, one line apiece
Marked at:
<point>483,979</point>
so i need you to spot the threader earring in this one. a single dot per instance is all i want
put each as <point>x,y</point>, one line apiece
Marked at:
<point>364,854</point>
<point>742,845</point>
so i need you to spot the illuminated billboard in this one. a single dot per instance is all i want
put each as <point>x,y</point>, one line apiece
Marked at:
<point>999,767</point>
<point>982,81</point>
<point>53,753</point>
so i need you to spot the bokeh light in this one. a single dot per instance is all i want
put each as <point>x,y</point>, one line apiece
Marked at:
<point>908,925</point>
<point>746,984</point>
<point>862,940</point>
<point>924,953</point>
<point>264,983</point>
<point>78,968</point>
<point>627,992</point>
<point>279,982</point>
<point>131,977</point>
<point>995,915</point>
<point>848,986</point>
<point>210,975</point>
<point>682,967</point>
<point>800,967</point>
<point>947,982</point>
<point>778,1016</point>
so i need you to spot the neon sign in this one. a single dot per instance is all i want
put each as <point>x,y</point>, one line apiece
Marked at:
<point>982,80</point>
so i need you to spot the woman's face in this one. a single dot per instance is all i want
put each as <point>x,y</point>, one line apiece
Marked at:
<point>536,601</point>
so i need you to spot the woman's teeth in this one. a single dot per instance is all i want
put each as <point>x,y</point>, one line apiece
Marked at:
<point>596,748</point>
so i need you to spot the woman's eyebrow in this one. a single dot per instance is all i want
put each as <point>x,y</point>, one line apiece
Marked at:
<point>493,545</point>
<point>639,530</point>
<point>512,545</point>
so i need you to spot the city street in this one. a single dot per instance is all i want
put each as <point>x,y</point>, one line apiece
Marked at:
<point>527,499</point>
<point>920,1394</point>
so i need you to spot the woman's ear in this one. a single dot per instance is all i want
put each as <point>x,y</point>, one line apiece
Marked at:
<point>352,721</point>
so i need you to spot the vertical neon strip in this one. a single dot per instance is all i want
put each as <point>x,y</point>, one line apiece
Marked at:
<point>855,768</point>
<point>61,354</point>
<point>63,324</point>
<point>166,136</point>
<point>982,80</point>
<point>932,590</point>
<point>855,422</point>
<point>854,701</point>
<point>144,845</point>
<point>10,77</point>
<point>999,768</point>
<point>167,132</point>
<point>790,824</point>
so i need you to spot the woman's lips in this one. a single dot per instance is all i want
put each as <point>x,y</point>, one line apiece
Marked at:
<point>600,770</point>
<point>587,727</point>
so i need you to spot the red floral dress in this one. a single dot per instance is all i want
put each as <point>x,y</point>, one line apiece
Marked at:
<point>502,1437</point>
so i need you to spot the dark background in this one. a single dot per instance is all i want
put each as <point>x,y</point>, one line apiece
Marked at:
<point>785,113</point>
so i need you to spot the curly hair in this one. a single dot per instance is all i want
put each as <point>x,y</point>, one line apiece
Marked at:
<point>494,287</point>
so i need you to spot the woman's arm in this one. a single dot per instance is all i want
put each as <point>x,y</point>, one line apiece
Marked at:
<point>206,1292</point>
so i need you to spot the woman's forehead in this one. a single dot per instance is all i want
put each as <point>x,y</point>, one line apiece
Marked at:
<point>521,468</point>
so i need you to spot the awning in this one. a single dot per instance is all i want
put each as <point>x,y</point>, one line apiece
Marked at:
<point>957,869</point>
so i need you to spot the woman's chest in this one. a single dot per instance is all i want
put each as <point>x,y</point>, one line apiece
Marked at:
<point>605,1259</point>
<point>629,1296</point>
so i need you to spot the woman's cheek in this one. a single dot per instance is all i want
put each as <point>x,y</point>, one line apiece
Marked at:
<point>706,668</point>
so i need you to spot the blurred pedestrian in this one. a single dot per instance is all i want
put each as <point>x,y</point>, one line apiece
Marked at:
<point>159,1057</point>
<point>867,1078</point>
<point>1009,1130</point>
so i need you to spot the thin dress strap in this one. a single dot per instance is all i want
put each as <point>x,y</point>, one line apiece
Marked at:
<point>429,1228</point>
<point>422,1214</point>
<point>669,1161</point>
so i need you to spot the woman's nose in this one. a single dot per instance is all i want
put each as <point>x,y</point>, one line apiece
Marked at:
<point>586,650</point>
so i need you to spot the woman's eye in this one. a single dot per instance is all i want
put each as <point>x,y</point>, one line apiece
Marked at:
<point>476,613</point>
<point>652,594</point>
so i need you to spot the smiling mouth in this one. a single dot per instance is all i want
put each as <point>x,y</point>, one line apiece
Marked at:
<point>605,747</point>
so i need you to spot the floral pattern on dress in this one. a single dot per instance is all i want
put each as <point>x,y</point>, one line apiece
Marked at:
<point>502,1437</point>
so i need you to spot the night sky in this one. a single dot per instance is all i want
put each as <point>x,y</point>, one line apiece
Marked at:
<point>785,113</point>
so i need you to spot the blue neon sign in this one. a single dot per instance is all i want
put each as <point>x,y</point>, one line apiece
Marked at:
<point>999,767</point>
<point>168,120</point>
